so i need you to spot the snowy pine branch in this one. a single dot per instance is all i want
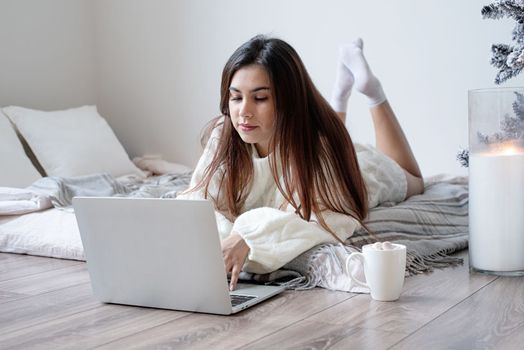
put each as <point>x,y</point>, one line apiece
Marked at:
<point>507,58</point>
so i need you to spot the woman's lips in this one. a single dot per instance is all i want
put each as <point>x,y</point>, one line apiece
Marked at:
<point>246,127</point>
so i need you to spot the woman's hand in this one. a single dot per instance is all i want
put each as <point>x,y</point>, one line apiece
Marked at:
<point>234,251</point>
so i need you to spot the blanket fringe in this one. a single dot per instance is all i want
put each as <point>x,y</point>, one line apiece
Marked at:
<point>315,272</point>
<point>415,264</point>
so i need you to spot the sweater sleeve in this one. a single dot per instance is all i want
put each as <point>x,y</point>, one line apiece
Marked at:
<point>276,237</point>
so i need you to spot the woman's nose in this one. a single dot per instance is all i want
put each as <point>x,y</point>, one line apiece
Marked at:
<point>245,110</point>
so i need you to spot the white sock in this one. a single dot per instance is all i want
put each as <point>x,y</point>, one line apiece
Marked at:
<point>342,88</point>
<point>365,81</point>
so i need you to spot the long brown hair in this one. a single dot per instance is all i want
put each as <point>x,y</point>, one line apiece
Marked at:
<point>317,159</point>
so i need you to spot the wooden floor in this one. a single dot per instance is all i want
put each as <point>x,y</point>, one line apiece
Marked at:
<point>47,304</point>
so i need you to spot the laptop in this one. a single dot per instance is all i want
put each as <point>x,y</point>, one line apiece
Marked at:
<point>161,253</point>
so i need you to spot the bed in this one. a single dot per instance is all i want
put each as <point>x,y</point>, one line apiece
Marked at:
<point>51,156</point>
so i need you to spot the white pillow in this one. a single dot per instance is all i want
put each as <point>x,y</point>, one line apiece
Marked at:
<point>72,142</point>
<point>17,170</point>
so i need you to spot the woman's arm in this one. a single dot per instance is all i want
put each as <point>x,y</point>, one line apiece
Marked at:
<point>268,238</point>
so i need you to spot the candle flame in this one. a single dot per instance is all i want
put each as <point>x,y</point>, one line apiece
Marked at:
<point>505,149</point>
<point>509,150</point>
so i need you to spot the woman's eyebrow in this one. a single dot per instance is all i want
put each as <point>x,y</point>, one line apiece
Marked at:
<point>231,88</point>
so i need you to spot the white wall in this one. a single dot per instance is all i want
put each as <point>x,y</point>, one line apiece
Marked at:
<point>46,53</point>
<point>159,64</point>
<point>153,67</point>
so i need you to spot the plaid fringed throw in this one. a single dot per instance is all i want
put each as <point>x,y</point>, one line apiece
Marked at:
<point>432,226</point>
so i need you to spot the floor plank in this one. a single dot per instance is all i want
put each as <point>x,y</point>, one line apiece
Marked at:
<point>201,331</point>
<point>424,297</point>
<point>49,305</point>
<point>319,335</point>
<point>89,328</point>
<point>17,265</point>
<point>46,281</point>
<point>46,307</point>
<point>6,296</point>
<point>492,318</point>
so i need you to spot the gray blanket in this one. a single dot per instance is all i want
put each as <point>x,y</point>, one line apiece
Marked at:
<point>62,190</point>
<point>432,225</point>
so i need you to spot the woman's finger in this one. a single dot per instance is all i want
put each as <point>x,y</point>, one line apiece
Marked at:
<point>235,272</point>
<point>229,265</point>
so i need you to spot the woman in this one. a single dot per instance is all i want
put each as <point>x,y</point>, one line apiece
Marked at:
<point>280,165</point>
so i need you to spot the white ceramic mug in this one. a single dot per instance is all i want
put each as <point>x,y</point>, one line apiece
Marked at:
<point>384,268</point>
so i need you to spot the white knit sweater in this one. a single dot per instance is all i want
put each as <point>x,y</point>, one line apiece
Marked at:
<point>276,236</point>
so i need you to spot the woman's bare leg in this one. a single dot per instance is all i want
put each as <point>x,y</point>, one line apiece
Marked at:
<point>391,140</point>
<point>389,136</point>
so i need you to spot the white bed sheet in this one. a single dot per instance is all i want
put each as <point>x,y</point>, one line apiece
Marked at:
<point>51,232</point>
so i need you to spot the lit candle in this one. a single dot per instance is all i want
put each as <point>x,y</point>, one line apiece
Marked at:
<point>496,211</point>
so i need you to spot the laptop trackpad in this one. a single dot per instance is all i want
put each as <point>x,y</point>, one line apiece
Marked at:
<point>248,292</point>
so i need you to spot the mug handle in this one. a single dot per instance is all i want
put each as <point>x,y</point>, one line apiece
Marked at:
<point>351,256</point>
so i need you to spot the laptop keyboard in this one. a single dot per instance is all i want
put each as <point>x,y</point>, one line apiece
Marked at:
<point>239,299</point>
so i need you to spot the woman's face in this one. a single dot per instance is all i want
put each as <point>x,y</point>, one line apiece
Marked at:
<point>252,106</point>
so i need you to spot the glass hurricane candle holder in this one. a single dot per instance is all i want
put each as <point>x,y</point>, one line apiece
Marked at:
<point>496,181</point>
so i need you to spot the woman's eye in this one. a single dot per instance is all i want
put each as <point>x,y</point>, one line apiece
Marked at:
<point>235,98</point>
<point>261,98</point>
